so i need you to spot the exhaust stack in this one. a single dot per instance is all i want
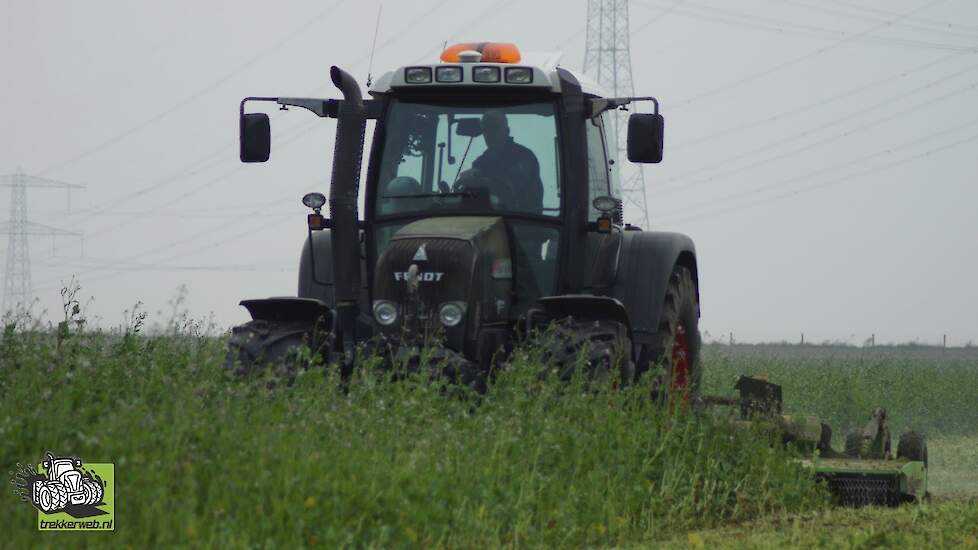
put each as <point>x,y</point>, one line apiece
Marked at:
<point>347,159</point>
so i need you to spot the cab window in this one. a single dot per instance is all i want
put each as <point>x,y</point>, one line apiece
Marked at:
<point>597,165</point>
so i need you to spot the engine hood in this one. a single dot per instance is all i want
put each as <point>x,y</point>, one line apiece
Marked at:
<point>459,259</point>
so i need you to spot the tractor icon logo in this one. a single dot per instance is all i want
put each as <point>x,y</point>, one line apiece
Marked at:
<point>68,494</point>
<point>64,484</point>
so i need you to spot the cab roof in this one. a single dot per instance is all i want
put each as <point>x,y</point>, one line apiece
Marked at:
<point>543,68</point>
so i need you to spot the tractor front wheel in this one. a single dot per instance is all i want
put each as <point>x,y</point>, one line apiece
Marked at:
<point>92,491</point>
<point>258,343</point>
<point>605,344</point>
<point>52,497</point>
<point>674,355</point>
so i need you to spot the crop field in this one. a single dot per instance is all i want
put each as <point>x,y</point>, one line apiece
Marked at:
<point>204,459</point>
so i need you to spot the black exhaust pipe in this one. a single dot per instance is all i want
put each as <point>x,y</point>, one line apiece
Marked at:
<point>347,158</point>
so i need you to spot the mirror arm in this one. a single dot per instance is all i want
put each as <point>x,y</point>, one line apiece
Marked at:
<point>241,107</point>
<point>325,108</point>
<point>601,105</point>
<point>319,107</point>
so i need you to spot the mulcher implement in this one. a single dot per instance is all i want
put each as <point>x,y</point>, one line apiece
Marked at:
<point>867,472</point>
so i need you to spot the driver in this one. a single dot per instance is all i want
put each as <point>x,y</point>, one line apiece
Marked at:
<point>509,164</point>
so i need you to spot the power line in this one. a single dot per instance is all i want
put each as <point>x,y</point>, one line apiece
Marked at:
<point>794,61</point>
<point>846,179</point>
<point>947,31</point>
<point>299,130</point>
<point>758,22</point>
<point>814,104</point>
<point>290,36</point>
<point>886,13</point>
<point>481,16</point>
<point>781,141</point>
<point>854,162</point>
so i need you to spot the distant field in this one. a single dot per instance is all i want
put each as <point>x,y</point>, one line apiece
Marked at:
<point>204,459</point>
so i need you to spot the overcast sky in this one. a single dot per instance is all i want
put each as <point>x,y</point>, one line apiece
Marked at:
<point>822,154</point>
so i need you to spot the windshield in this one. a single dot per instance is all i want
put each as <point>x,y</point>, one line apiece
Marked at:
<point>451,157</point>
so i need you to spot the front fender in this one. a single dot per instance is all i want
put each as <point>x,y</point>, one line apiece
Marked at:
<point>647,261</point>
<point>288,309</point>
<point>585,306</point>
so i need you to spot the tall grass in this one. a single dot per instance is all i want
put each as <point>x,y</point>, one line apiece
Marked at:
<point>210,460</point>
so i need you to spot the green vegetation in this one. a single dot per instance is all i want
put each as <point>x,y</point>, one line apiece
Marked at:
<point>942,524</point>
<point>214,461</point>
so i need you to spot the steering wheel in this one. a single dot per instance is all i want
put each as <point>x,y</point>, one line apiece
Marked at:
<point>500,191</point>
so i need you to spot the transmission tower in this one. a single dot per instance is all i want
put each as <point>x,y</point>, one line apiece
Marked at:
<point>608,60</point>
<point>17,277</point>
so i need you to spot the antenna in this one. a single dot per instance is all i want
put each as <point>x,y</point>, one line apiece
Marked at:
<point>373,47</point>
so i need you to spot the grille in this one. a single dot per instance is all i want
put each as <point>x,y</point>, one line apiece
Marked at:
<point>445,274</point>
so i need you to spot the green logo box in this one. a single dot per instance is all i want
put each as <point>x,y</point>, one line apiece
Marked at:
<point>76,514</point>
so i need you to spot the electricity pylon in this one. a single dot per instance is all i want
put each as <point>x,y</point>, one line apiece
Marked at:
<point>17,277</point>
<point>607,59</point>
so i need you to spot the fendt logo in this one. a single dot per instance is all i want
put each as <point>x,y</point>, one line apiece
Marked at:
<point>68,497</point>
<point>425,277</point>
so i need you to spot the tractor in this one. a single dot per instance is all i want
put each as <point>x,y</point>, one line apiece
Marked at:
<point>64,484</point>
<point>493,215</point>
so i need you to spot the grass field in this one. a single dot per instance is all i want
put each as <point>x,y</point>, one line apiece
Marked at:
<point>206,460</point>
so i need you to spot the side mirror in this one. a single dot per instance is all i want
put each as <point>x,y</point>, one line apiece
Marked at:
<point>645,136</point>
<point>469,127</point>
<point>255,137</point>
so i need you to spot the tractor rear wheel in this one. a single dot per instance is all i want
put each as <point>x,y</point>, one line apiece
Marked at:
<point>258,343</point>
<point>674,354</point>
<point>913,446</point>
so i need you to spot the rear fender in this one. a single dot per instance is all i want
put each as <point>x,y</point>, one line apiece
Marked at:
<point>289,309</point>
<point>647,261</point>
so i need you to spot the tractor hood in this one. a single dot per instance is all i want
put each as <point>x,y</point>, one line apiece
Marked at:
<point>465,260</point>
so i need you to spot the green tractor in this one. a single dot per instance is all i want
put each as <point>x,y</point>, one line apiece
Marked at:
<point>493,215</point>
<point>866,473</point>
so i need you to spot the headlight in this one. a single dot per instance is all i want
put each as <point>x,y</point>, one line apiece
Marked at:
<point>448,74</point>
<point>314,200</point>
<point>485,74</point>
<point>385,312</point>
<point>519,75</point>
<point>451,313</point>
<point>417,75</point>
